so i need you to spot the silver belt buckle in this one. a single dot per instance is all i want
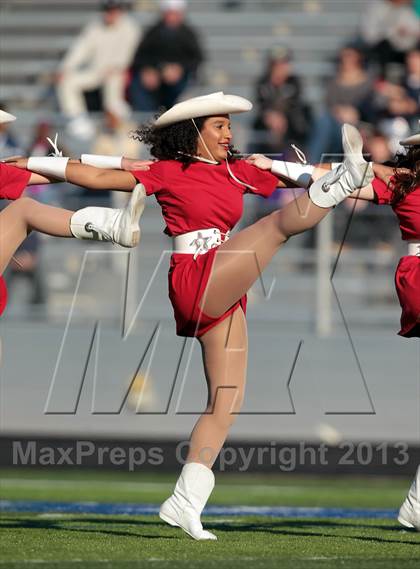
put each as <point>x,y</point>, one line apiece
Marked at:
<point>201,243</point>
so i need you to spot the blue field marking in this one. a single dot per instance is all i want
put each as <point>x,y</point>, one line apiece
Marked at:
<point>152,510</point>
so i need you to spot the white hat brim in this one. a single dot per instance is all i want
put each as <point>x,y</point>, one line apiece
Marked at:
<point>411,140</point>
<point>6,117</point>
<point>204,106</point>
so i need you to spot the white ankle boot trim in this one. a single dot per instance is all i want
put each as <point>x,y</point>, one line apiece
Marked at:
<point>191,492</point>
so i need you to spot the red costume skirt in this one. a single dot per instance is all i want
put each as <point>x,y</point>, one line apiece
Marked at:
<point>188,279</point>
<point>407,282</point>
<point>3,295</point>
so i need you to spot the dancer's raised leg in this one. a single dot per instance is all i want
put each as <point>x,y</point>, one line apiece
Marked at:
<point>120,226</point>
<point>22,216</point>
<point>240,261</point>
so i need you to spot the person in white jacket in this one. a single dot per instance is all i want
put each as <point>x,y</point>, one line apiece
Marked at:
<point>99,57</point>
<point>389,29</point>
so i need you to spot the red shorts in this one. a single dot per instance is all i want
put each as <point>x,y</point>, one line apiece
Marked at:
<point>3,295</point>
<point>188,279</point>
<point>407,282</point>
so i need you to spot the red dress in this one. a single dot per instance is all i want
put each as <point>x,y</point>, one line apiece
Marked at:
<point>407,276</point>
<point>200,196</point>
<point>13,181</point>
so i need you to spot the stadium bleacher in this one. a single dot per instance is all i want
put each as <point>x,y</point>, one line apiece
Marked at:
<point>36,35</point>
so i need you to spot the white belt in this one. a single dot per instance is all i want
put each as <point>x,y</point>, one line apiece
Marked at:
<point>414,249</point>
<point>199,242</point>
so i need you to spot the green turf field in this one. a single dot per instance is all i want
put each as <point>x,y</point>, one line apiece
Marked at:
<point>101,541</point>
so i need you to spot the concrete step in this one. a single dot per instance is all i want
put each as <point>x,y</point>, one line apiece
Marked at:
<point>208,22</point>
<point>216,44</point>
<point>214,71</point>
<point>270,6</point>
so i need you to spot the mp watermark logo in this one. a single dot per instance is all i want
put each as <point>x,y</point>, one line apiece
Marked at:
<point>285,458</point>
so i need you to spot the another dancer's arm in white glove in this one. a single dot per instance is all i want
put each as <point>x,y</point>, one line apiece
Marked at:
<point>57,169</point>
<point>80,174</point>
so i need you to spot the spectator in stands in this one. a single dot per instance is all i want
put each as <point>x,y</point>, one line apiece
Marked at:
<point>389,29</point>
<point>99,58</point>
<point>398,102</point>
<point>348,100</point>
<point>377,147</point>
<point>39,145</point>
<point>412,74</point>
<point>113,139</point>
<point>231,4</point>
<point>9,146</point>
<point>281,111</point>
<point>166,59</point>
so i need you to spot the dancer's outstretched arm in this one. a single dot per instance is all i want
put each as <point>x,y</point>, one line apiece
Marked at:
<point>290,174</point>
<point>306,174</point>
<point>91,177</point>
<point>127,164</point>
<point>99,179</point>
<point>385,173</point>
<point>37,179</point>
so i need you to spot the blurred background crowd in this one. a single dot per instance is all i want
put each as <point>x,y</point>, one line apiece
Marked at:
<point>92,70</point>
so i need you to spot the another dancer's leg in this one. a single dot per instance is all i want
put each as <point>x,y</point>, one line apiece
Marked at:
<point>409,514</point>
<point>120,226</point>
<point>19,218</point>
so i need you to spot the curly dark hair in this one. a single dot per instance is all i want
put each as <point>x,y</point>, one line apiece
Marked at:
<point>407,180</point>
<point>177,141</point>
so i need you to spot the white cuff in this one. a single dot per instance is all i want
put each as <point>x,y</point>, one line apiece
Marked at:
<point>49,166</point>
<point>300,173</point>
<point>102,161</point>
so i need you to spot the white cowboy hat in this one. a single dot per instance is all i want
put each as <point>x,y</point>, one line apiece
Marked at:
<point>6,117</point>
<point>207,105</point>
<point>412,140</point>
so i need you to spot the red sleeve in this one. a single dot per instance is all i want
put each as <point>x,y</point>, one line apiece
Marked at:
<point>383,194</point>
<point>263,181</point>
<point>152,179</point>
<point>12,181</point>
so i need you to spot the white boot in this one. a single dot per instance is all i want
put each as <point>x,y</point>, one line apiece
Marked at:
<point>354,173</point>
<point>184,507</point>
<point>353,152</point>
<point>409,514</point>
<point>119,226</point>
